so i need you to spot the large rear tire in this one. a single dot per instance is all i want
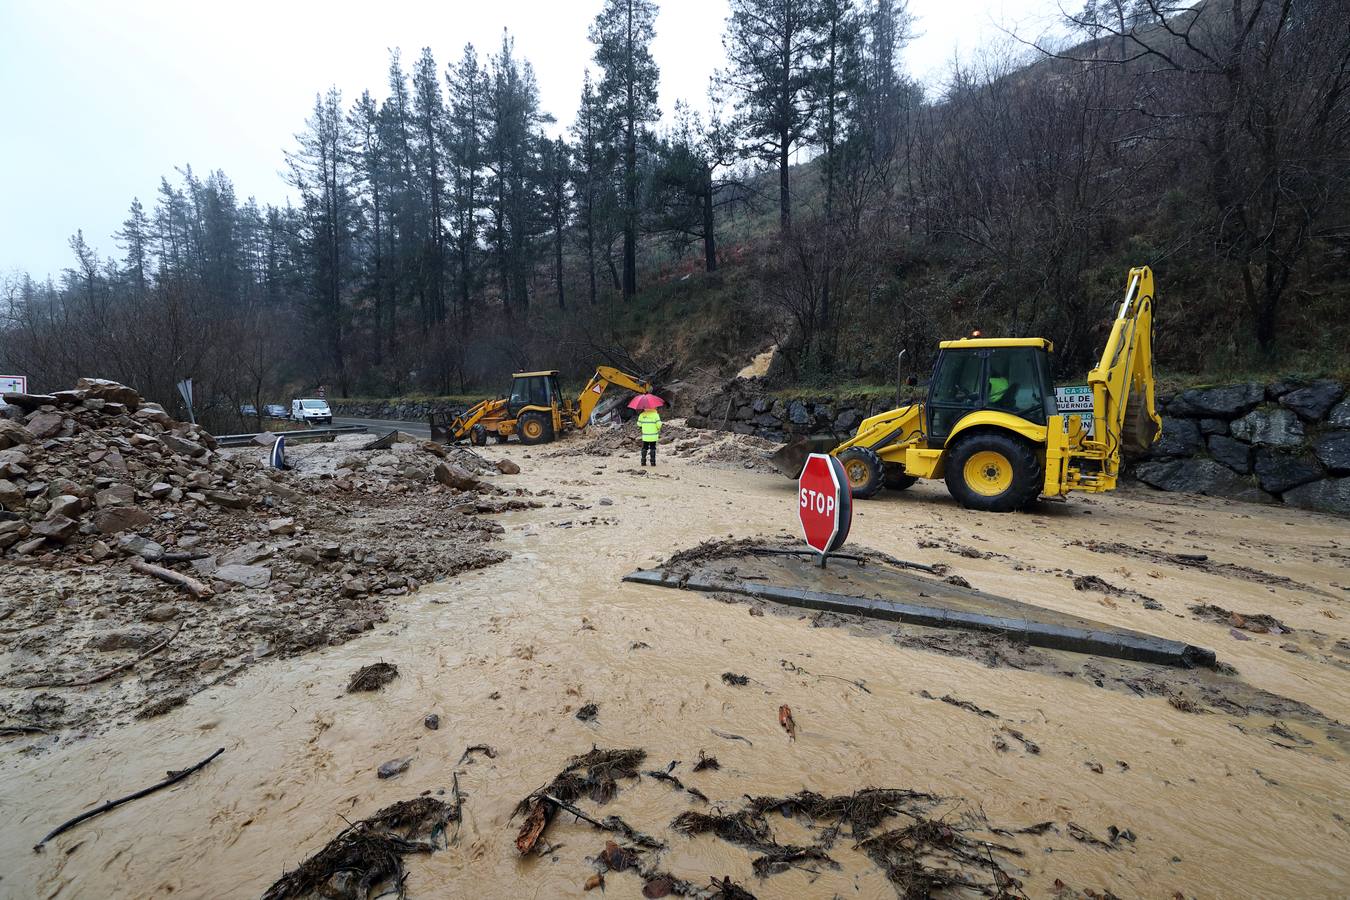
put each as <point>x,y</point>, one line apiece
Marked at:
<point>994,472</point>
<point>863,469</point>
<point>534,428</point>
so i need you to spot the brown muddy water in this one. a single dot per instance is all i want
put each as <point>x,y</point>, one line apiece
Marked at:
<point>1218,804</point>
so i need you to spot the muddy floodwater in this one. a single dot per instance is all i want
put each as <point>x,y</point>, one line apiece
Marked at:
<point>1217,802</point>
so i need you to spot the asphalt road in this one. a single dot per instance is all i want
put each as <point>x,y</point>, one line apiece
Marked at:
<point>380,426</point>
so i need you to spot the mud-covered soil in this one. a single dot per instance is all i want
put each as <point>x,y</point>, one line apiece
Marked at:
<point>1066,788</point>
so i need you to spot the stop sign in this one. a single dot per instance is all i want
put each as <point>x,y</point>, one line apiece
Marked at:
<point>824,503</point>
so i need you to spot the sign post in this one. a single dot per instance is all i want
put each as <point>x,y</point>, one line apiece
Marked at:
<point>185,389</point>
<point>13,384</point>
<point>824,504</point>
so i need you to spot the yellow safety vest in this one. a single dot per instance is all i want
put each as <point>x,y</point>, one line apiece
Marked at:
<point>649,420</point>
<point>997,388</point>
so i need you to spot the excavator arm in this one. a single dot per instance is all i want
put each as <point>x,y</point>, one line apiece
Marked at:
<point>1123,404</point>
<point>595,389</point>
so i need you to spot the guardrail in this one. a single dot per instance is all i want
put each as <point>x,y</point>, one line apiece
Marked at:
<point>307,434</point>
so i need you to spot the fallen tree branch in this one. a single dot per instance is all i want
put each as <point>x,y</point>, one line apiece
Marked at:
<point>173,778</point>
<point>115,669</point>
<point>194,587</point>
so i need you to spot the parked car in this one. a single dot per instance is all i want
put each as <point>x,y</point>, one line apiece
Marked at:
<point>311,412</point>
<point>247,409</point>
<point>274,411</point>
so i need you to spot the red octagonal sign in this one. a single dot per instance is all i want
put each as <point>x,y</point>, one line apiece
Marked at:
<point>824,503</point>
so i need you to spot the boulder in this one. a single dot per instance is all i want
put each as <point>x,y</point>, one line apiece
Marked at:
<point>162,612</point>
<point>43,425</point>
<point>56,528</point>
<point>283,526</point>
<point>1225,402</point>
<point>153,412</point>
<point>1314,401</point>
<point>13,462</point>
<point>394,767</point>
<point>847,421</point>
<point>1232,453</point>
<point>1339,417</point>
<point>110,391</point>
<point>115,495</point>
<point>227,499</point>
<point>1196,476</point>
<point>182,445</point>
<point>1330,495</point>
<point>1213,426</point>
<point>1269,428</point>
<point>160,489</point>
<point>762,404</point>
<point>1278,472</point>
<point>506,467</point>
<point>798,414</point>
<point>28,402</point>
<point>66,505</point>
<point>10,494</point>
<point>1333,449</point>
<point>1277,389</point>
<point>135,545</point>
<point>1180,437</point>
<point>120,518</point>
<point>455,476</point>
<point>12,434</point>
<point>247,576</point>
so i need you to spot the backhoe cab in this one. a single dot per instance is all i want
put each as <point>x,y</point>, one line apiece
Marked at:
<point>990,427</point>
<point>535,410</point>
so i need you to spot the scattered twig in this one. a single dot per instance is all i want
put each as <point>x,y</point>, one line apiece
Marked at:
<point>173,778</point>
<point>477,748</point>
<point>731,737</point>
<point>194,587</point>
<point>609,823</point>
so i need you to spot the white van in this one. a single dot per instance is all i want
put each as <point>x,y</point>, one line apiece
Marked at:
<point>311,412</point>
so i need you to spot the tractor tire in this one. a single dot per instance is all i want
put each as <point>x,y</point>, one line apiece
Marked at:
<point>863,469</point>
<point>534,428</point>
<point>993,472</point>
<point>499,437</point>
<point>478,436</point>
<point>895,478</point>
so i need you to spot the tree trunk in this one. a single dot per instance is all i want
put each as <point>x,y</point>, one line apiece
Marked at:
<point>709,234</point>
<point>784,196</point>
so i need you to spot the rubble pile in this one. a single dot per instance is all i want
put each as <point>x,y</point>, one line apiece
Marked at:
<point>124,532</point>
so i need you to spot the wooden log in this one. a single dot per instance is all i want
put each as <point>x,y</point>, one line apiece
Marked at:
<point>186,582</point>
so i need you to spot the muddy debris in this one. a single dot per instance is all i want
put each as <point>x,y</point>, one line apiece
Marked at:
<point>1257,623</point>
<point>706,762</point>
<point>372,677</point>
<point>735,680</point>
<point>961,704</point>
<point>1198,561</point>
<point>931,856</point>
<point>467,755</point>
<point>588,712</point>
<point>594,775</point>
<point>676,783</point>
<point>369,853</point>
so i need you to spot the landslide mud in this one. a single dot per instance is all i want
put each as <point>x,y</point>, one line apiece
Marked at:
<point>506,657</point>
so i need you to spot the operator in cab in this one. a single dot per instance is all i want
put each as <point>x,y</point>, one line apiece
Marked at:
<point>649,423</point>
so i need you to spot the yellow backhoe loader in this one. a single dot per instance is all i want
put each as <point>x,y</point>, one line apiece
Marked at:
<point>990,426</point>
<point>536,410</point>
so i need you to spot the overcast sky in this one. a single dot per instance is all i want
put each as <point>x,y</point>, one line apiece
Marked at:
<point>102,97</point>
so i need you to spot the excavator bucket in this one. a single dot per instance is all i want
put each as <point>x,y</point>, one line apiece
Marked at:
<point>791,457</point>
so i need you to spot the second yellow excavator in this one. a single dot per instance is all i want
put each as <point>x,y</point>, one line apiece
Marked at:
<point>990,427</point>
<point>536,410</point>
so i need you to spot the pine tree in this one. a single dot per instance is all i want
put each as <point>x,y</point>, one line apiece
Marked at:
<point>775,49</point>
<point>429,119</point>
<point>135,238</point>
<point>556,174</point>
<point>468,87</point>
<point>622,34</point>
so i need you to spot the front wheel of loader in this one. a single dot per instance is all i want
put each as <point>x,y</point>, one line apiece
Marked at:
<point>993,473</point>
<point>534,428</point>
<point>863,468</point>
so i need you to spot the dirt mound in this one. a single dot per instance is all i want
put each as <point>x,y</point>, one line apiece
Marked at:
<point>133,546</point>
<point>722,449</point>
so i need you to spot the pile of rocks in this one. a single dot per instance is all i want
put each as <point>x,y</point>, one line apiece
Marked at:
<point>1289,440</point>
<point>120,523</point>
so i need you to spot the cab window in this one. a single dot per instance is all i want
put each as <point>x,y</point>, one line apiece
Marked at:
<point>532,391</point>
<point>1016,382</point>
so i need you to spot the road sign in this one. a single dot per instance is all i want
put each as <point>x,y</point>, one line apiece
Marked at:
<point>13,384</point>
<point>1076,401</point>
<point>322,393</point>
<point>824,503</point>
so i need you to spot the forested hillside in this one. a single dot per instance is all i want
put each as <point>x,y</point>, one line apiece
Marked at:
<point>818,199</point>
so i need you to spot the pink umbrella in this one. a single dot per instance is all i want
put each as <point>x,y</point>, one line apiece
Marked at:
<point>646,401</point>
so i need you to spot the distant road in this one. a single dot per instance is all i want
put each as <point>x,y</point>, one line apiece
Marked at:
<point>380,426</point>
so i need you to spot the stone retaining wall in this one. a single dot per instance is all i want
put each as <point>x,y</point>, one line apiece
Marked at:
<point>1283,442</point>
<point>398,410</point>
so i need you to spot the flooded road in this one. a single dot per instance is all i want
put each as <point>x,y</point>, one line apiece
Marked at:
<point>507,655</point>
